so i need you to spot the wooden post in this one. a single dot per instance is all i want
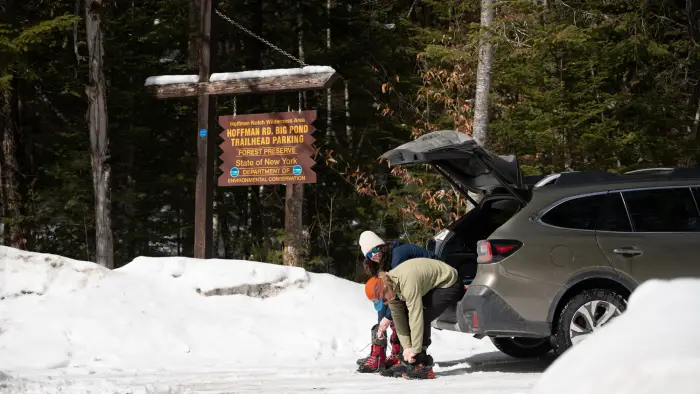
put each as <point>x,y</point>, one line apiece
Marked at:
<point>206,143</point>
<point>293,202</point>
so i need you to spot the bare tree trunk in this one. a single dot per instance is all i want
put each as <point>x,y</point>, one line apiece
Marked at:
<point>17,234</point>
<point>75,33</point>
<point>294,194</point>
<point>483,75</point>
<point>193,45</point>
<point>329,103</point>
<point>696,123</point>
<point>99,142</point>
<point>224,249</point>
<point>693,15</point>
<point>348,128</point>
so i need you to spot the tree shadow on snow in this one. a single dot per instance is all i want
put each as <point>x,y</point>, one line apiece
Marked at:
<point>494,362</point>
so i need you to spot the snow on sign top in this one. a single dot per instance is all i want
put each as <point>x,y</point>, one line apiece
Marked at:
<point>171,79</point>
<point>279,72</point>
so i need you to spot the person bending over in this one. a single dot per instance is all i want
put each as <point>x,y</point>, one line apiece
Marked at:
<point>418,291</point>
<point>384,256</point>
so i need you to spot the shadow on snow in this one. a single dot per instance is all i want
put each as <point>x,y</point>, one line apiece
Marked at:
<point>494,362</point>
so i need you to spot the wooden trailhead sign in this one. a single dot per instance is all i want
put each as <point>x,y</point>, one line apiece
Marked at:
<point>267,149</point>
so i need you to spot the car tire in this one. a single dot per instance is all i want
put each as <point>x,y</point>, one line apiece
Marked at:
<point>584,313</point>
<point>520,347</point>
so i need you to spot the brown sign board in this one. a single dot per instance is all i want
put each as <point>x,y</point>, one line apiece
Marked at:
<point>267,149</point>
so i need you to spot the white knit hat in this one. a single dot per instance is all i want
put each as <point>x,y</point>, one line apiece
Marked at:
<point>368,240</point>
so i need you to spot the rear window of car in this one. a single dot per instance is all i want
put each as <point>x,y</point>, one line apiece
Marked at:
<point>603,212</point>
<point>663,210</point>
<point>613,215</point>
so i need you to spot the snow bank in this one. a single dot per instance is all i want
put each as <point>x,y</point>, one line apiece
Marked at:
<point>220,277</point>
<point>171,79</point>
<point>163,313</point>
<point>32,273</point>
<point>270,73</point>
<point>654,347</point>
<point>179,314</point>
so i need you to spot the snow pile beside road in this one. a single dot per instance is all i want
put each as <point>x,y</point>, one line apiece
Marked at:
<point>220,277</point>
<point>33,273</point>
<point>180,314</point>
<point>173,313</point>
<point>654,347</point>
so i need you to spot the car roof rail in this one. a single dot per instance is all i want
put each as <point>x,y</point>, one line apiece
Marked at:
<point>584,177</point>
<point>576,178</point>
<point>660,170</point>
<point>665,173</point>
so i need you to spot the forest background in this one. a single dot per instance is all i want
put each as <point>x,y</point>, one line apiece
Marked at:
<point>576,85</point>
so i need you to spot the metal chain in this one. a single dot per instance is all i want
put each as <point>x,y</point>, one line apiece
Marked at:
<point>234,106</point>
<point>260,38</point>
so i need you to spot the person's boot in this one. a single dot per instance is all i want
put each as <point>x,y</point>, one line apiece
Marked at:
<point>397,370</point>
<point>374,341</point>
<point>421,369</point>
<point>375,361</point>
<point>377,357</point>
<point>396,350</point>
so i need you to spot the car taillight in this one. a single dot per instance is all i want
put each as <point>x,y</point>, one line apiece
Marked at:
<point>493,251</point>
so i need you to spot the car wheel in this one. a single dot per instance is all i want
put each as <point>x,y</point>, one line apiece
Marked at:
<point>584,314</point>
<point>520,347</point>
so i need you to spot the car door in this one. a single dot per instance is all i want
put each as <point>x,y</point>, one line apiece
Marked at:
<point>566,239</point>
<point>662,242</point>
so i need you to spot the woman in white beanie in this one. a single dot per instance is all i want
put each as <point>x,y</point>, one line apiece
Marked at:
<point>384,256</point>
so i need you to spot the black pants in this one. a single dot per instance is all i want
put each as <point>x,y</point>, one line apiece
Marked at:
<point>435,302</point>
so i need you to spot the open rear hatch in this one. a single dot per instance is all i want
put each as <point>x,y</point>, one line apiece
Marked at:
<point>462,161</point>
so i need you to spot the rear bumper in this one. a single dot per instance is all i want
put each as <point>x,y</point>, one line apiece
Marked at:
<point>483,312</point>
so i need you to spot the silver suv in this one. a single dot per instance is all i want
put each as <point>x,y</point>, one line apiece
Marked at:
<point>551,259</point>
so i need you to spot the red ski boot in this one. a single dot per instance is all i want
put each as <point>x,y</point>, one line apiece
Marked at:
<point>377,357</point>
<point>375,362</point>
<point>396,349</point>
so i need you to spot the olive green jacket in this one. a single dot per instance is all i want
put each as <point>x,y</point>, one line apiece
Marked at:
<point>413,279</point>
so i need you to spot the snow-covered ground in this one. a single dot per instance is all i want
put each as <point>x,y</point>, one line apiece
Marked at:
<point>177,325</point>
<point>184,326</point>
<point>654,347</point>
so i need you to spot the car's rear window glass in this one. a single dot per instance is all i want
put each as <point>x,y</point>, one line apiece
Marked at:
<point>613,215</point>
<point>663,210</point>
<point>579,213</point>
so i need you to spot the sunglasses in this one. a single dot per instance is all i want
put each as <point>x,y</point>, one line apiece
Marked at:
<point>372,252</point>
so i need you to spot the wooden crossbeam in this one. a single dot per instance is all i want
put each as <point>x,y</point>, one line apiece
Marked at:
<point>247,82</point>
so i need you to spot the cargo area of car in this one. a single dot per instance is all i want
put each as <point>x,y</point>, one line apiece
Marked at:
<point>459,248</point>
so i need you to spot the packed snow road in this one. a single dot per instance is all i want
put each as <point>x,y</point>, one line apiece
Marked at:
<point>485,373</point>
